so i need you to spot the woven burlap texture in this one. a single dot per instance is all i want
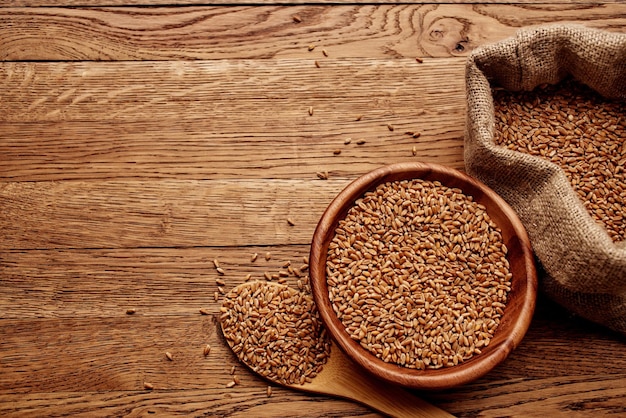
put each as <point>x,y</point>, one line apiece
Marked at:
<point>585,271</point>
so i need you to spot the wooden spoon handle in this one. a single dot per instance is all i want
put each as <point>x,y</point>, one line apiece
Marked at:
<point>390,400</point>
<point>343,378</point>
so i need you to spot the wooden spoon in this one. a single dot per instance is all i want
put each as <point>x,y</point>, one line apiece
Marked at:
<point>340,377</point>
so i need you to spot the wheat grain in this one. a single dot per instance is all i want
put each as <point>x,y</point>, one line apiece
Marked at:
<point>276,331</point>
<point>573,127</point>
<point>400,276</point>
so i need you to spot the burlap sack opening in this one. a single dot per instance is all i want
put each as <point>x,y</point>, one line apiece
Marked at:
<point>585,271</point>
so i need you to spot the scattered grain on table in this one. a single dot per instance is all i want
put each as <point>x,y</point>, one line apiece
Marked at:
<point>322,175</point>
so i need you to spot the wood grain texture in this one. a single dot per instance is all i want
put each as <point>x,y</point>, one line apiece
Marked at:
<point>260,32</point>
<point>156,139</point>
<point>157,282</point>
<point>211,402</point>
<point>211,92</point>
<point>167,213</point>
<point>563,396</point>
<point>181,3</point>
<point>226,119</point>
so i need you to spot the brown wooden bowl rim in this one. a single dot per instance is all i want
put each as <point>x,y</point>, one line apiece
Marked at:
<point>525,287</point>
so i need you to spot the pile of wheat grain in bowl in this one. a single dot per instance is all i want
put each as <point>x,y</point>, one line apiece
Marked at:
<point>276,331</point>
<point>584,134</point>
<point>417,274</point>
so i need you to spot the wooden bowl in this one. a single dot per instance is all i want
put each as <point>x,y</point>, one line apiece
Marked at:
<point>521,299</point>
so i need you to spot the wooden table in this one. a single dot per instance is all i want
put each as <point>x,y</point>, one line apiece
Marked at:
<point>138,144</point>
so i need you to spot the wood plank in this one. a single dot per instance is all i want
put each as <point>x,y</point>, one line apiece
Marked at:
<point>126,151</point>
<point>226,119</point>
<point>237,90</point>
<point>164,213</point>
<point>574,397</point>
<point>249,401</point>
<point>562,396</point>
<point>157,282</point>
<point>96,354</point>
<point>214,32</point>
<point>180,3</point>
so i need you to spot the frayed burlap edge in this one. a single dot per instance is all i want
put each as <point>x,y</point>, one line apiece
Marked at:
<point>585,269</point>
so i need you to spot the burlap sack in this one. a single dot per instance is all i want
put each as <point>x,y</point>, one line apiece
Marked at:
<point>585,271</point>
